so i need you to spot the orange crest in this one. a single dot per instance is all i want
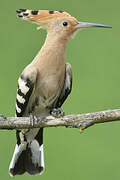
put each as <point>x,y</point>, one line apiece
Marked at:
<point>56,22</point>
<point>45,17</point>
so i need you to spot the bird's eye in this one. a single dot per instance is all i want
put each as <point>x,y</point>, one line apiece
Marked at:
<point>65,23</point>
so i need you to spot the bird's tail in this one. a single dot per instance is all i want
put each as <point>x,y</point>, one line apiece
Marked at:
<point>28,157</point>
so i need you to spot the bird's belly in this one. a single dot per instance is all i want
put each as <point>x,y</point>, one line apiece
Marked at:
<point>40,105</point>
<point>44,96</point>
<point>50,86</point>
<point>50,91</point>
<point>44,105</point>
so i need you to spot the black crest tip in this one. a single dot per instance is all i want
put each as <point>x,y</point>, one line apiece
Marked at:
<point>61,11</point>
<point>35,12</point>
<point>51,12</point>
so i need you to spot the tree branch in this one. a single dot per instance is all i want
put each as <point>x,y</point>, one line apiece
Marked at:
<point>81,121</point>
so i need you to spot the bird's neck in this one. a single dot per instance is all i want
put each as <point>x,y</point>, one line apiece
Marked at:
<point>55,40</point>
<point>53,50</point>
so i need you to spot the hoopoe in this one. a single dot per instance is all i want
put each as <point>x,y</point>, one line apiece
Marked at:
<point>43,85</point>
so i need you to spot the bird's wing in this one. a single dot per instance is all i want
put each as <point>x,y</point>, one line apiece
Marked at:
<point>67,86</point>
<point>26,83</point>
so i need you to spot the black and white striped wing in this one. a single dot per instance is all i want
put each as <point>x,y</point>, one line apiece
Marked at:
<point>25,89</point>
<point>27,157</point>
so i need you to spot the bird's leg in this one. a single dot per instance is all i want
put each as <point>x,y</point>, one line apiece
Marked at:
<point>32,118</point>
<point>57,112</point>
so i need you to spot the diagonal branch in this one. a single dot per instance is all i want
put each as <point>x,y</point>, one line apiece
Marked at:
<point>82,121</point>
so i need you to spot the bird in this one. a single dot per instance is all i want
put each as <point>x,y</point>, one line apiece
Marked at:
<point>44,85</point>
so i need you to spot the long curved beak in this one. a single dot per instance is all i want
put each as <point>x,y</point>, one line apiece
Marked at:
<point>86,24</point>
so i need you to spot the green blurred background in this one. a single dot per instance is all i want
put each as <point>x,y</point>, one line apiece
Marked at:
<point>95,57</point>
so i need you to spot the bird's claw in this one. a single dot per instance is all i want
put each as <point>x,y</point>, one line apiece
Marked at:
<point>57,112</point>
<point>32,118</point>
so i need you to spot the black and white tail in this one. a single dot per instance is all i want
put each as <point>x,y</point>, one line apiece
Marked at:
<point>28,157</point>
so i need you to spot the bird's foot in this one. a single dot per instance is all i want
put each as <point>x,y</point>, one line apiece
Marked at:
<point>57,112</point>
<point>32,119</point>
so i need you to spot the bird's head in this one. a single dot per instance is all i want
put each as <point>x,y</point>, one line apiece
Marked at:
<point>57,23</point>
